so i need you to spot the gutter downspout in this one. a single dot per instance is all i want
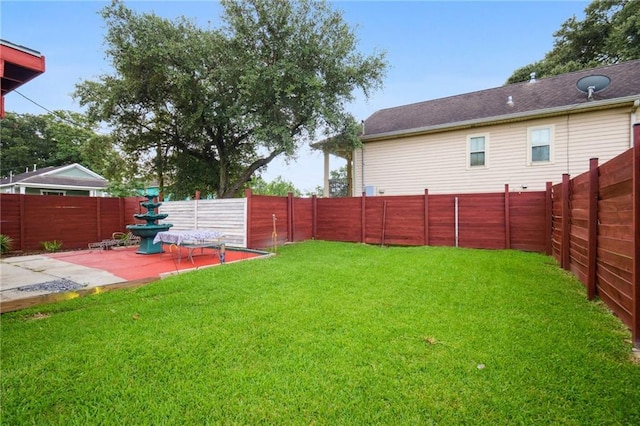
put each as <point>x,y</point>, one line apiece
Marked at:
<point>633,119</point>
<point>362,171</point>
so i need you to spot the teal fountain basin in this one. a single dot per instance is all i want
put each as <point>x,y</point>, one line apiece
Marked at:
<point>148,231</point>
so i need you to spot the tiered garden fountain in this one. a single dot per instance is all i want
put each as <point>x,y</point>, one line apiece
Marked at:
<point>147,232</point>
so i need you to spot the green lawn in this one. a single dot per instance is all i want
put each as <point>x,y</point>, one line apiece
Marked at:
<point>328,333</point>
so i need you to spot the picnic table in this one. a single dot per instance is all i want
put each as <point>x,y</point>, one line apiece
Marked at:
<point>193,239</point>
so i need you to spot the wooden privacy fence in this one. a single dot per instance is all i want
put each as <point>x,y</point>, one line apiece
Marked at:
<point>590,223</point>
<point>77,221</point>
<point>229,216</point>
<point>500,220</point>
<point>493,221</point>
<point>596,232</point>
<point>30,220</point>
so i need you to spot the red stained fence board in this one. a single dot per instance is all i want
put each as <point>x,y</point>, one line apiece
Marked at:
<point>30,220</point>
<point>605,256</point>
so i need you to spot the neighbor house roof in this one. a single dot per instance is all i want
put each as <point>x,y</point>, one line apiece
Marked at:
<point>543,97</point>
<point>72,176</point>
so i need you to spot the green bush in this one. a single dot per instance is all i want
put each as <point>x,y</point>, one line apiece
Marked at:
<point>51,246</point>
<point>6,243</point>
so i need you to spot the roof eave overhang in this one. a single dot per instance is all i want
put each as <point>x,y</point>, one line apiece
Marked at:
<point>59,170</point>
<point>53,186</point>
<point>328,146</point>
<point>502,119</point>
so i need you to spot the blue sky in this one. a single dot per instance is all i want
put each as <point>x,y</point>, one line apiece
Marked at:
<point>434,49</point>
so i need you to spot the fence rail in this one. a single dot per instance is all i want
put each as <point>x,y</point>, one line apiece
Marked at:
<point>227,216</point>
<point>493,220</point>
<point>596,232</point>
<point>31,220</point>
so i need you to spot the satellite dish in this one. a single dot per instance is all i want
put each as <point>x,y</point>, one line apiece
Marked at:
<point>593,83</point>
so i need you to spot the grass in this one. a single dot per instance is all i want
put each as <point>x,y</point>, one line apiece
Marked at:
<point>328,333</point>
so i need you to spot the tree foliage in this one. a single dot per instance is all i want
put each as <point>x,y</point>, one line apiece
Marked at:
<point>336,175</point>
<point>214,106</point>
<point>278,186</point>
<point>609,34</point>
<point>56,139</point>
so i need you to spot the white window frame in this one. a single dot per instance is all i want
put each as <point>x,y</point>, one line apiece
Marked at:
<point>530,145</point>
<point>52,192</point>
<point>486,151</point>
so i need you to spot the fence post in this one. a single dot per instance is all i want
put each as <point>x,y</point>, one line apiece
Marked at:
<point>247,193</point>
<point>548,206</point>
<point>196,208</point>
<point>290,221</point>
<point>507,218</point>
<point>635,274</point>
<point>98,220</point>
<point>122,207</point>
<point>426,217</point>
<point>592,238</point>
<point>314,216</point>
<point>566,235</point>
<point>195,213</point>
<point>384,222</point>
<point>456,224</point>
<point>363,206</point>
<point>23,236</point>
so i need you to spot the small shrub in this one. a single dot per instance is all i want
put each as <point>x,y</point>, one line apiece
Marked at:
<point>6,243</point>
<point>51,246</point>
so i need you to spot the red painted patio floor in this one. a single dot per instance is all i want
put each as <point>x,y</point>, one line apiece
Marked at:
<point>127,264</point>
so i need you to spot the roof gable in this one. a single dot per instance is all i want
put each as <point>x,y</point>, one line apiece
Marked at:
<point>74,170</point>
<point>74,175</point>
<point>557,92</point>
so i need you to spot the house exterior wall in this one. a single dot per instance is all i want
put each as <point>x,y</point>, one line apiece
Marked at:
<point>30,190</point>
<point>438,162</point>
<point>70,180</point>
<point>67,192</point>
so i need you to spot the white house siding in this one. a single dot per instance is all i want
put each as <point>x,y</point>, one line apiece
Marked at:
<point>228,216</point>
<point>438,162</point>
<point>602,135</point>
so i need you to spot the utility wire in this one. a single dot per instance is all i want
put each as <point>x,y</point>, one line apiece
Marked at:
<point>58,116</point>
<point>65,119</point>
<point>34,102</point>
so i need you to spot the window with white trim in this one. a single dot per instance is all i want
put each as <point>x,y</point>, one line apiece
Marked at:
<point>477,151</point>
<point>51,192</point>
<point>540,146</point>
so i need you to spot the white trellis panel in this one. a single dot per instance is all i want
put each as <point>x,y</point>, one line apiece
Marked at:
<point>228,216</point>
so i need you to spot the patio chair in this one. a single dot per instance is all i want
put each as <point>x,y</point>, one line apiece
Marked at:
<point>125,239</point>
<point>117,239</point>
<point>103,245</point>
<point>99,245</point>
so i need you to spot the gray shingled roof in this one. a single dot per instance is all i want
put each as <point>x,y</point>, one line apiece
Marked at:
<point>558,92</point>
<point>39,177</point>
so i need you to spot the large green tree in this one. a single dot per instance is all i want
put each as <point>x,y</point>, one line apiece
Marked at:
<point>23,144</point>
<point>216,105</point>
<point>56,139</point>
<point>608,34</point>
